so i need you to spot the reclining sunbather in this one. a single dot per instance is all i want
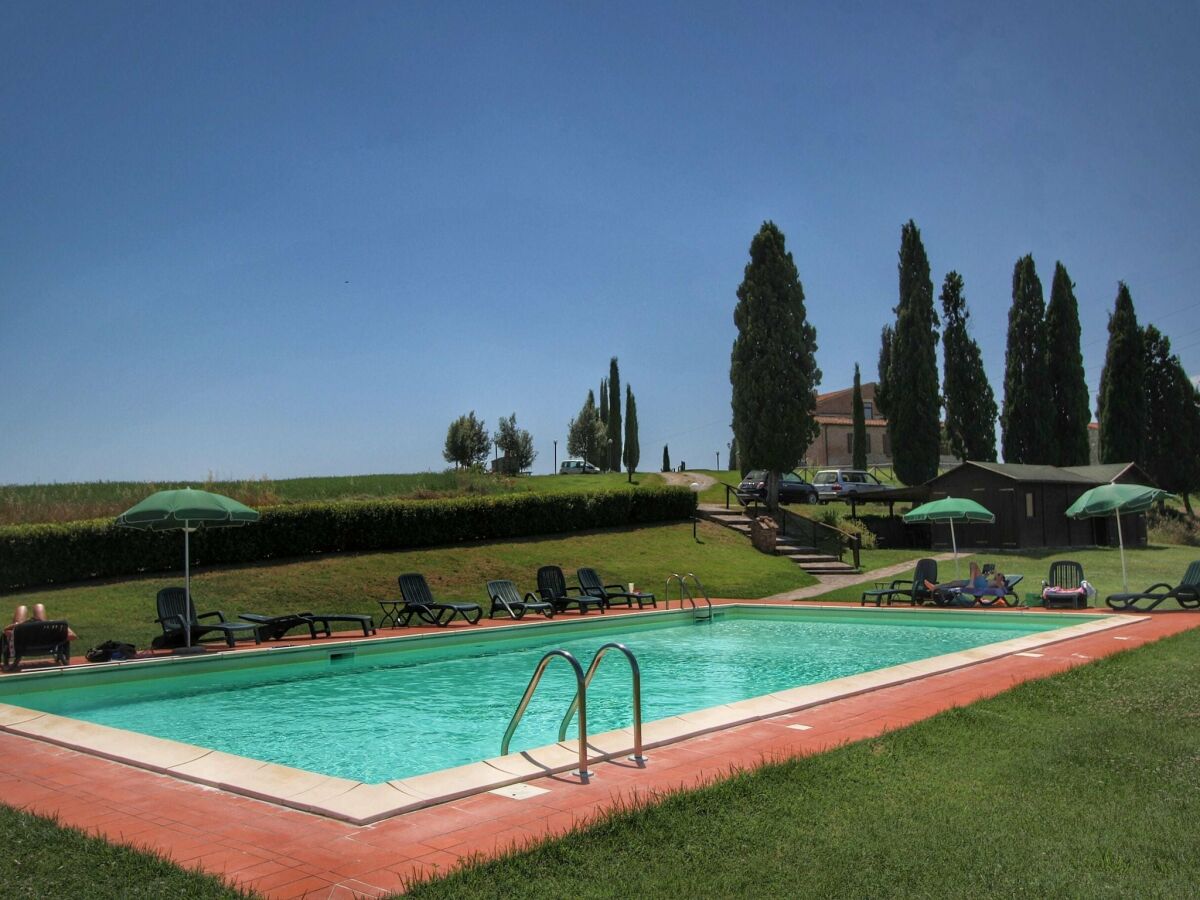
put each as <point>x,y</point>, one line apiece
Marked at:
<point>22,614</point>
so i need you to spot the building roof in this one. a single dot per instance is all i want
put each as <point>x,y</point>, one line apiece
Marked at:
<point>848,420</point>
<point>1089,475</point>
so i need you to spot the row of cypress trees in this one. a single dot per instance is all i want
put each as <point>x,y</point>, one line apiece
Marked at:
<point>1148,408</point>
<point>597,435</point>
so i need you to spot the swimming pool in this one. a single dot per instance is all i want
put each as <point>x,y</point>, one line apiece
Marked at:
<point>382,713</point>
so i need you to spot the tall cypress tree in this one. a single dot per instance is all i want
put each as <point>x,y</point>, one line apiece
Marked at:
<point>912,400</point>
<point>614,416</point>
<point>1122,399</point>
<point>970,403</point>
<point>1070,411</point>
<point>603,413</point>
<point>883,382</point>
<point>632,452</point>
<point>773,367</point>
<point>859,420</point>
<point>1026,420</point>
<point>666,467</point>
<point>733,455</point>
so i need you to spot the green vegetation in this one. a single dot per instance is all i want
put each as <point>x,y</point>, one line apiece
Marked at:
<point>970,403</point>
<point>858,417</point>
<point>1172,419</point>
<point>1069,405</point>
<point>913,402</point>
<point>467,442</point>
<point>1121,405</point>
<point>612,423</point>
<point>20,504</point>
<point>1101,567</point>
<point>45,860</point>
<point>632,453</point>
<point>1012,796</point>
<point>773,365</point>
<point>354,582</point>
<point>1026,419</point>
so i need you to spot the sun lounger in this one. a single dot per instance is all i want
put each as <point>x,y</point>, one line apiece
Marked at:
<point>552,586</point>
<point>173,613</point>
<point>36,637</point>
<point>911,589</point>
<point>1186,593</point>
<point>275,627</point>
<point>506,597</point>
<point>419,602</point>
<point>592,585</point>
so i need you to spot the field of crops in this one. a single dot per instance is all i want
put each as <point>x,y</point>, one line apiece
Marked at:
<point>21,504</point>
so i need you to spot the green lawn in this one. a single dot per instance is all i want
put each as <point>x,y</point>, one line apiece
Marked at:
<point>1102,567</point>
<point>43,860</point>
<point>1082,785</point>
<point>725,561</point>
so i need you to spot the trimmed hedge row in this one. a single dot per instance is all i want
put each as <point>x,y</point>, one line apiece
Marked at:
<point>35,555</point>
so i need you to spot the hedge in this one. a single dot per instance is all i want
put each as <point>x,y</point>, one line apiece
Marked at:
<point>35,555</point>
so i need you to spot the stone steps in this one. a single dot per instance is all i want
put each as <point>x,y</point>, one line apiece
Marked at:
<point>807,558</point>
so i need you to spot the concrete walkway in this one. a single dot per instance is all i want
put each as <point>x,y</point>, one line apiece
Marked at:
<point>826,583</point>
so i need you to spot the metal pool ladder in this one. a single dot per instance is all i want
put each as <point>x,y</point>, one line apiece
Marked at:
<point>685,593</point>
<point>580,702</point>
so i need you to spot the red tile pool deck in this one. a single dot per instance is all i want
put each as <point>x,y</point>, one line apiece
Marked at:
<point>282,853</point>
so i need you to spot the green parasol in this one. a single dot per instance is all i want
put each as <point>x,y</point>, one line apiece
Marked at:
<point>1116,500</point>
<point>186,509</point>
<point>950,509</point>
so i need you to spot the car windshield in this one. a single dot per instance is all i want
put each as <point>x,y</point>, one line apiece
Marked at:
<point>825,478</point>
<point>756,475</point>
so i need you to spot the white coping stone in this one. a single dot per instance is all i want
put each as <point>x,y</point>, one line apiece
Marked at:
<point>365,803</point>
<point>800,727</point>
<point>519,791</point>
<point>1033,655</point>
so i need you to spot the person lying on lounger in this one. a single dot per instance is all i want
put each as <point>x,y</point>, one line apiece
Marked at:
<point>22,614</point>
<point>977,581</point>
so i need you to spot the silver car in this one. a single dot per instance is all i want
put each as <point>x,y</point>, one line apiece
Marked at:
<point>843,484</point>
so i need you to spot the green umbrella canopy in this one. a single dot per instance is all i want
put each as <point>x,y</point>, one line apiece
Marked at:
<point>949,509</point>
<point>1110,499</point>
<point>186,508</point>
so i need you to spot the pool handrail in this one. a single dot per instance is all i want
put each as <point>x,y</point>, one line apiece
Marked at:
<point>635,670</point>
<point>580,687</point>
<point>685,593</point>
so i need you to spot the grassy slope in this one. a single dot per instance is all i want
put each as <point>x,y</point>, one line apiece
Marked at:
<point>1086,785</point>
<point>1102,567</point>
<point>65,502</point>
<point>354,582</point>
<point>43,860</point>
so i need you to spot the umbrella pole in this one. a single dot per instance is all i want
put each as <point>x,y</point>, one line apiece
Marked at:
<point>187,585</point>
<point>1121,541</point>
<point>954,544</point>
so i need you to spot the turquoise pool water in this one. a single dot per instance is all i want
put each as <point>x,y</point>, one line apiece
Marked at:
<point>375,716</point>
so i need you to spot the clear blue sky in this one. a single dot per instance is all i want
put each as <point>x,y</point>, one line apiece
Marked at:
<point>298,239</point>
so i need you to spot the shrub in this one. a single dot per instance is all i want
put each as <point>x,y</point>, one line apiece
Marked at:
<point>1170,526</point>
<point>33,555</point>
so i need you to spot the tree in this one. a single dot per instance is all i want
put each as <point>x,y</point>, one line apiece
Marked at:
<point>1070,410</point>
<point>885,362</point>
<point>970,403</point>
<point>633,452</point>
<point>1026,420</point>
<point>1122,398</point>
<point>586,437</point>
<point>516,444</point>
<point>666,467</point>
<point>911,396</point>
<point>604,414</point>
<point>614,416</point>
<point>858,417</point>
<point>467,441</point>
<point>733,455</point>
<point>1172,419</point>
<point>773,366</point>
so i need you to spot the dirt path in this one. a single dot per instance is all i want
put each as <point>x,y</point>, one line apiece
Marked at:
<point>687,479</point>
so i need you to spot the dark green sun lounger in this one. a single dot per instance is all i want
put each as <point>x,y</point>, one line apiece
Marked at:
<point>1186,593</point>
<point>173,614</point>
<point>505,596</point>
<point>36,637</point>
<point>419,602</point>
<point>593,585</point>
<point>552,586</point>
<point>275,627</point>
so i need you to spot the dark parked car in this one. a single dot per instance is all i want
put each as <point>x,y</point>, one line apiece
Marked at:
<point>792,488</point>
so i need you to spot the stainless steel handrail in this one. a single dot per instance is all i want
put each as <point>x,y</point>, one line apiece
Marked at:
<point>703,592</point>
<point>581,694</point>
<point>684,593</point>
<point>638,757</point>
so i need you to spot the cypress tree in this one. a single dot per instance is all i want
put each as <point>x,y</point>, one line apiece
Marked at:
<point>1026,421</point>
<point>1070,411</point>
<point>1122,399</point>
<point>859,419</point>
<point>773,366</point>
<point>603,414</point>
<point>912,400</point>
<point>885,361</point>
<point>970,403</point>
<point>614,416</point>
<point>733,455</point>
<point>632,452</point>
<point>666,459</point>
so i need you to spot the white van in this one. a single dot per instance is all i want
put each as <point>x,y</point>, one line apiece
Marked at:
<point>577,467</point>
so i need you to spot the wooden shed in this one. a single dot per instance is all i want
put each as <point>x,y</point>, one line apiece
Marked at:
<point>1030,504</point>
